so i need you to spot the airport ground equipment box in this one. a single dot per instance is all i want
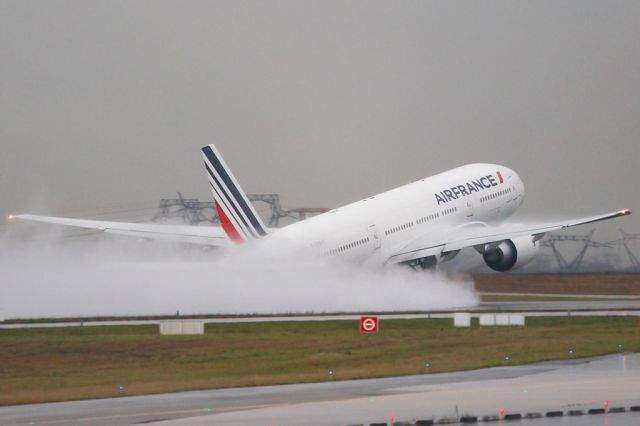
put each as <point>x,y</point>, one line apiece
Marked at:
<point>170,327</point>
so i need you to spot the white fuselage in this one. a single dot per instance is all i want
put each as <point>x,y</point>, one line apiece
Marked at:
<point>419,224</point>
<point>377,226</point>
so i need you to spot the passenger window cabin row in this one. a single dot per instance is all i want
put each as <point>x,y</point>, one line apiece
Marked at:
<point>349,246</point>
<point>449,211</point>
<point>428,218</point>
<point>398,228</point>
<point>424,219</point>
<point>495,195</point>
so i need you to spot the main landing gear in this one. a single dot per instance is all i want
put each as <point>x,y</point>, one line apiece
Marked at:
<point>424,263</point>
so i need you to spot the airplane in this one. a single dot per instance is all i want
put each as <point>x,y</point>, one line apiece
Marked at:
<point>420,224</point>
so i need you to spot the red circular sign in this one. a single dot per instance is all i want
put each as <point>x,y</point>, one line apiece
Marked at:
<point>368,324</point>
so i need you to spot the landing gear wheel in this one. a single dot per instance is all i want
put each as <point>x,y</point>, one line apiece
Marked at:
<point>424,263</point>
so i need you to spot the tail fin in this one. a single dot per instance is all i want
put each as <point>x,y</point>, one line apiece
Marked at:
<point>237,216</point>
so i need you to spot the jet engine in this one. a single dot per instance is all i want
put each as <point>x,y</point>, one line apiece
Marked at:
<point>512,253</point>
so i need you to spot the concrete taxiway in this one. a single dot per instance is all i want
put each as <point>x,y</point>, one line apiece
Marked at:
<point>559,385</point>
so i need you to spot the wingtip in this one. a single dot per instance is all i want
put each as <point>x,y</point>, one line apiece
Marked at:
<point>625,212</point>
<point>14,216</point>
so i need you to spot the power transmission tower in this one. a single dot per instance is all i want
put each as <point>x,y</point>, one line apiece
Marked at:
<point>273,201</point>
<point>624,242</point>
<point>304,212</point>
<point>574,264</point>
<point>194,211</point>
<point>190,210</point>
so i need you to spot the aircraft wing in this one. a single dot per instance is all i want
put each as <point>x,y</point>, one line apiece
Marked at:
<point>205,235</point>
<point>480,233</point>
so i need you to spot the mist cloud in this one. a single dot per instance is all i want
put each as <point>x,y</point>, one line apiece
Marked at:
<point>51,276</point>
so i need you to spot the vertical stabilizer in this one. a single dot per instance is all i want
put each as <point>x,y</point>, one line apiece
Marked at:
<point>237,216</point>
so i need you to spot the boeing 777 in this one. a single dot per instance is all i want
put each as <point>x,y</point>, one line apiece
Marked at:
<point>419,224</point>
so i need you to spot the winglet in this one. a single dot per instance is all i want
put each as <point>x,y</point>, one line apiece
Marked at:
<point>613,215</point>
<point>237,216</point>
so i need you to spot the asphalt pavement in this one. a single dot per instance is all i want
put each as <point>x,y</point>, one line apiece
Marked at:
<point>558,385</point>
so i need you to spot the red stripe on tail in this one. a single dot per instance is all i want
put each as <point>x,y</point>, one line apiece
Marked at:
<point>227,226</point>
<point>500,177</point>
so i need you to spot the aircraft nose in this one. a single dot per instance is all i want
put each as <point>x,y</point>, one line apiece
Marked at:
<point>515,181</point>
<point>519,185</point>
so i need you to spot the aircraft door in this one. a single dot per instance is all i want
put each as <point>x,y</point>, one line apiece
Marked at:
<point>469,208</point>
<point>372,232</point>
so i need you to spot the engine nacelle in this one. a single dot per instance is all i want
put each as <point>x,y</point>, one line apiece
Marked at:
<point>511,254</point>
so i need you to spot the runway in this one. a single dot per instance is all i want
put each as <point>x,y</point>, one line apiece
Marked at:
<point>557,306</point>
<point>558,385</point>
<point>627,307</point>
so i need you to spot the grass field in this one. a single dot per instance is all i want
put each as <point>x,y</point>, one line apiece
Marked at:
<point>593,283</point>
<point>39,365</point>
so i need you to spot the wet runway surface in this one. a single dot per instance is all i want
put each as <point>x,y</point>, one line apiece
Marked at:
<point>617,419</point>
<point>629,307</point>
<point>557,385</point>
<point>557,306</point>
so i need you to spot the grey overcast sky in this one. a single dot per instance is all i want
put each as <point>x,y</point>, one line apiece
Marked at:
<point>106,103</point>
